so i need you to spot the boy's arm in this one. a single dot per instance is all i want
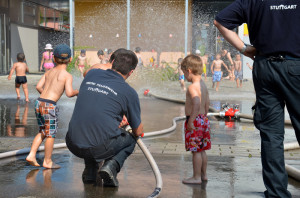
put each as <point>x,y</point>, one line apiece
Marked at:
<point>76,63</point>
<point>27,69</point>
<point>70,92</point>
<point>11,71</point>
<point>40,84</point>
<point>240,66</point>
<point>229,58</point>
<point>196,100</point>
<point>250,67</point>
<point>225,65</point>
<point>86,62</point>
<point>212,67</point>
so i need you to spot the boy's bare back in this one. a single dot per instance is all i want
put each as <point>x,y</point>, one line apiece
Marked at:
<point>20,67</point>
<point>197,90</point>
<point>54,82</point>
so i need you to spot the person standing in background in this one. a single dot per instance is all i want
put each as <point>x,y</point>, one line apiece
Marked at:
<point>47,59</point>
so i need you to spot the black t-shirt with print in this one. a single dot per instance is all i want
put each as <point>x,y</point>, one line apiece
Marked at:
<point>103,99</point>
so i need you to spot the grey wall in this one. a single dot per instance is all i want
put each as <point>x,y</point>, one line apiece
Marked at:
<point>25,40</point>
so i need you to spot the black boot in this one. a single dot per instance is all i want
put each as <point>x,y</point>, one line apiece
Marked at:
<point>109,172</point>
<point>89,175</point>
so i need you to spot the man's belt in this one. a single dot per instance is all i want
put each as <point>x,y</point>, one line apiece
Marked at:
<point>278,56</point>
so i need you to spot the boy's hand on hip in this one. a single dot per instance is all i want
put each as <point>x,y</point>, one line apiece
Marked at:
<point>190,126</point>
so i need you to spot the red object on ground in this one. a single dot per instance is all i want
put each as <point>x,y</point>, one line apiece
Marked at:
<point>146,92</point>
<point>230,112</point>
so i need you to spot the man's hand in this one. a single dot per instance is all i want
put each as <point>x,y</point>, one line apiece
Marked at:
<point>250,52</point>
<point>124,122</point>
<point>9,77</point>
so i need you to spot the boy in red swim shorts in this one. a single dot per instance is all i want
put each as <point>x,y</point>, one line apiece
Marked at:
<point>197,125</point>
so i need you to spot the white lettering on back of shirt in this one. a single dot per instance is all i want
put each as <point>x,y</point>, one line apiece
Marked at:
<point>283,7</point>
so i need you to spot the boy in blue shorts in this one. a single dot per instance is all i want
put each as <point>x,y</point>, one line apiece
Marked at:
<point>51,87</point>
<point>216,67</point>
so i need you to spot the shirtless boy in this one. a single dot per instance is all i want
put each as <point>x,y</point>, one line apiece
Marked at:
<point>81,61</point>
<point>101,56</point>
<point>21,68</point>
<point>205,63</point>
<point>197,125</point>
<point>238,70</point>
<point>107,65</point>
<point>216,67</point>
<point>51,87</point>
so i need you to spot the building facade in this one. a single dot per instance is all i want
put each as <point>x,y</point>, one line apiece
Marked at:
<point>27,25</point>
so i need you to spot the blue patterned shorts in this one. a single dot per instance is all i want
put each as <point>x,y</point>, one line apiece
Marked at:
<point>46,114</point>
<point>217,76</point>
<point>181,77</point>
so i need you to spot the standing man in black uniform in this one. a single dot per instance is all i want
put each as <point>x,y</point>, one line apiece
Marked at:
<point>275,35</point>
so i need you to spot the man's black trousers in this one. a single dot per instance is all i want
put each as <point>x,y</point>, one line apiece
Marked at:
<point>277,84</point>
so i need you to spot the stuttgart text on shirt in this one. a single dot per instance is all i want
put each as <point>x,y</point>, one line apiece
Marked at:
<point>283,7</point>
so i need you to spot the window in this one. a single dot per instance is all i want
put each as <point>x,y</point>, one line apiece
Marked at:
<point>29,14</point>
<point>49,18</point>
<point>4,3</point>
<point>42,21</point>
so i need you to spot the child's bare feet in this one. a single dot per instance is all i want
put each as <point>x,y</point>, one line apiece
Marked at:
<point>217,89</point>
<point>32,161</point>
<point>51,165</point>
<point>192,180</point>
<point>204,178</point>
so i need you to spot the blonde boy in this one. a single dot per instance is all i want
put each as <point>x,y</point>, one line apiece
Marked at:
<point>197,125</point>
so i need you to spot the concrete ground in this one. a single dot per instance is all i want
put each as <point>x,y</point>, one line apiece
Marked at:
<point>234,168</point>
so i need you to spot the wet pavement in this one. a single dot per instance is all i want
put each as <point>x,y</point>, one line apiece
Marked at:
<point>234,168</point>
